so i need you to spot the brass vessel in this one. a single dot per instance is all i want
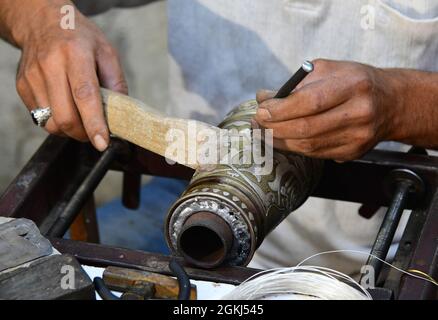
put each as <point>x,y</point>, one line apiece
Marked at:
<point>225,213</point>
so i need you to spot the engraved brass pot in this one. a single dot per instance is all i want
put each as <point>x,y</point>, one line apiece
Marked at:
<point>225,213</point>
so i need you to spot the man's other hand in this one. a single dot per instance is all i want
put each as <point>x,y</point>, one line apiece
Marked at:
<point>339,111</point>
<point>64,69</point>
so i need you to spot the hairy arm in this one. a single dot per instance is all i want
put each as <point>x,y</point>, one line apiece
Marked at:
<point>62,68</point>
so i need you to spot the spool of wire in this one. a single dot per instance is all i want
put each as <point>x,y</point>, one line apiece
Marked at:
<point>310,282</point>
<point>299,283</point>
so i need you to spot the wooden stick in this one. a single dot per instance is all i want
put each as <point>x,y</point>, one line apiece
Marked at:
<point>140,124</point>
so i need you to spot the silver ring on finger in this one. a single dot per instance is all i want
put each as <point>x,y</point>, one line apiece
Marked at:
<point>40,116</point>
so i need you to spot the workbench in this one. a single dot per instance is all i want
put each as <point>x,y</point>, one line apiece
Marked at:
<point>56,186</point>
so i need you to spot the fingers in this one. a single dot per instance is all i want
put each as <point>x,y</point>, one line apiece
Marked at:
<point>64,113</point>
<point>311,99</point>
<point>332,114</point>
<point>31,88</point>
<point>70,86</point>
<point>340,154</point>
<point>23,89</point>
<point>63,72</point>
<point>263,95</point>
<point>321,67</point>
<point>315,126</point>
<point>343,145</point>
<point>110,71</point>
<point>85,89</point>
<point>315,148</point>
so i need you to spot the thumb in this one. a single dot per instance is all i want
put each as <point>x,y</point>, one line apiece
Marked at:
<point>263,95</point>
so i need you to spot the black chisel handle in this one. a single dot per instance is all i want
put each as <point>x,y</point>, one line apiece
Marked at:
<point>293,82</point>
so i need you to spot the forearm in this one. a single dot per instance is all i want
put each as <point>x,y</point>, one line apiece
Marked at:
<point>88,7</point>
<point>17,19</point>
<point>416,120</point>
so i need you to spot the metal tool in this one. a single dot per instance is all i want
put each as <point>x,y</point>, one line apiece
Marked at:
<point>129,279</point>
<point>139,283</point>
<point>183,280</point>
<point>44,185</point>
<point>306,68</point>
<point>40,116</point>
<point>225,213</point>
<point>66,217</point>
<point>405,183</point>
<point>103,290</point>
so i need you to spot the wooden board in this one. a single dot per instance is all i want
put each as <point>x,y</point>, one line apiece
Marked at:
<point>140,124</point>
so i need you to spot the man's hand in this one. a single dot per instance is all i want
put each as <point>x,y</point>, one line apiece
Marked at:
<point>63,69</point>
<point>343,109</point>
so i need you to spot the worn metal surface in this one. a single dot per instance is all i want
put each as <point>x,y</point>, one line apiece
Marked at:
<point>21,242</point>
<point>85,190</point>
<point>103,256</point>
<point>131,190</point>
<point>424,256</point>
<point>123,280</point>
<point>216,237</point>
<point>363,180</point>
<point>405,250</point>
<point>43,181</point>
<point>143,292</point>
<point>44,279</point>
<point>44,187</point>
<point>251,201</point>
<point>406,183</point>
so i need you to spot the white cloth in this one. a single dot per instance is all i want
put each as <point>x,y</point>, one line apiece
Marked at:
<point>222,52</point>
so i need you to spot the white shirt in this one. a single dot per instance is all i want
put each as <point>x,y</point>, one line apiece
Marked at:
<point>222,52</point>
